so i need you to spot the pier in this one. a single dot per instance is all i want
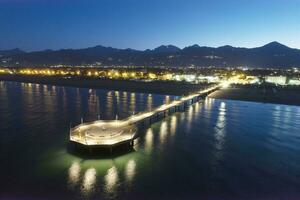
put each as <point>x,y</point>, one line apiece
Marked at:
<point>110,133</point>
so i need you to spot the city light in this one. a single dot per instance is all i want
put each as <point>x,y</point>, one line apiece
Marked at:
<point>233,76</point>
<point>225,84</point>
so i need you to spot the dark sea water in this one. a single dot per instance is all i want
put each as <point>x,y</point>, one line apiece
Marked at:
<point>216,149</point>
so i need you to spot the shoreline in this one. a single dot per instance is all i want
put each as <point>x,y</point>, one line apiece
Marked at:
<point>251,93</point>
<point>154,87</point>
<point>272,95</point>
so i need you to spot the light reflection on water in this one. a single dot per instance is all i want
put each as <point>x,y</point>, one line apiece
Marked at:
<point>74,174</point>
<point>130,170</point>
<point>220,131</point>
<point>163,132</point>
<point>173,124</point>
<point>149,140</point>
<point>111,179</point>
<point>189,117</point>
<point>117,94</point>
<point>221,124</point>
<point>86,103</point>
<point>132,102</point>
<point>89,180</point>
<point>219,147</point>
<point>149,102</point>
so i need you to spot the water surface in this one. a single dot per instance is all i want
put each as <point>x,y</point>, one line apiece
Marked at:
<point>215,149</point>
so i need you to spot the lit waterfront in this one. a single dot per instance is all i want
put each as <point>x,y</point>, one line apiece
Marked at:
<point>241,76</point>
<point>228,148</point>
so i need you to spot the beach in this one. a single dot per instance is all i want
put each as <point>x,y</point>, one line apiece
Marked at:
<point>264,94</point>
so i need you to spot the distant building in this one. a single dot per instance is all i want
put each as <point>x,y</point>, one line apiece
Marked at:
<point>278,80</point>
<point>294,82</point>
<point>184,77</point>
<point>253,79</point>
<point>208,79</point>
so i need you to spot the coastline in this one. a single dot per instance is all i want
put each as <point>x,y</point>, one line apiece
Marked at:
<point>154,87</point>
<point>275,95</point>
<point>252,93</point>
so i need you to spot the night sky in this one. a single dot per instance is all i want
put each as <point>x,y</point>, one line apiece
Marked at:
<point>141,24</point>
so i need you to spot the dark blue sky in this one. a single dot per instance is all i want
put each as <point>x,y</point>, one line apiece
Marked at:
<point>142,24</point>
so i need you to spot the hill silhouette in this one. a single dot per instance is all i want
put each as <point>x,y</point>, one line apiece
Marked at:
<point>273,54</point>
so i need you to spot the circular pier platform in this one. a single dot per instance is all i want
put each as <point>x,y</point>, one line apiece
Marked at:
<point>103,133</point>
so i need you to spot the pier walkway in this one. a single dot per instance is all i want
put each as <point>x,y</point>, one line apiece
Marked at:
<point>114,132</point>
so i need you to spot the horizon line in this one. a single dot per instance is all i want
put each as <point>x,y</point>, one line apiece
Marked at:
<point>107,46</point>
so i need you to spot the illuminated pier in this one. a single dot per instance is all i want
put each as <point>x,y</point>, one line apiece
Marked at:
<point>103,133</point>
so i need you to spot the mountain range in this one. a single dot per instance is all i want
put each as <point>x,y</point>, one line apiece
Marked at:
<point>273,54</point>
